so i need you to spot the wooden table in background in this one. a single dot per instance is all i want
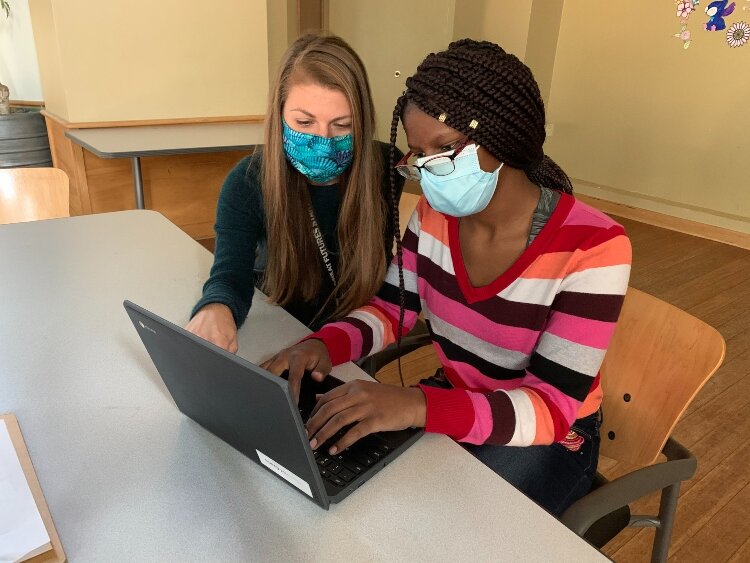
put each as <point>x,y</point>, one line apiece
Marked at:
<point>176,181</point>
<point>162,140</point>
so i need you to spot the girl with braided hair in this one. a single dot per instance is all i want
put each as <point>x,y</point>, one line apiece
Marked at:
<point>520,286</point>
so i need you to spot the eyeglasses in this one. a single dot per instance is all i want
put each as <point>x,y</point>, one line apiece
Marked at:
<point>438,164</point>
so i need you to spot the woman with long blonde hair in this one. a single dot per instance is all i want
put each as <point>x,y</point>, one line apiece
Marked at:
<point>308,216</point>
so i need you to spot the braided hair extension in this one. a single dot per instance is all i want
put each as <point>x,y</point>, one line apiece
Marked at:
<point>490,96</point>
<point>397,111</point>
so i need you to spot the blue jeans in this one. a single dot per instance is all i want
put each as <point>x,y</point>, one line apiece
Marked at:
<point>552,476</point>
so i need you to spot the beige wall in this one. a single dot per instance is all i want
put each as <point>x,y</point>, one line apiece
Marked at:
<point>637,119</point>
<point>48,56</point>
<point>646,123</point>
<point>430,25</point>
<point>505,22</point>
<point>282,31</point>
<point>145,59</point>
<point>541,46</point>
<point>525,28</point>
<point>389,38</point>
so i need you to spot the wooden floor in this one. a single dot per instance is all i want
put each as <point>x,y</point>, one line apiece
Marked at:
<point>711,281</point>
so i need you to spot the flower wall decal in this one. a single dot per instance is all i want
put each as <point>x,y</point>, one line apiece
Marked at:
<point>684,9</point>
<point>738,34</point>
<point>684,36</point>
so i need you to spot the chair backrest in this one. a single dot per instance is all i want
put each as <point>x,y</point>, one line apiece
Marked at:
<point>406,206</point>
<point>29,194</point>
<point>658,359</point>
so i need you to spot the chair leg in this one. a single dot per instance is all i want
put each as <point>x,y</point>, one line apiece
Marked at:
<point>667,512</point>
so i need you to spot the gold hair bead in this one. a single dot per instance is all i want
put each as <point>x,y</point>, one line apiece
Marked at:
<point>442,117</point>
<point>473,124</point>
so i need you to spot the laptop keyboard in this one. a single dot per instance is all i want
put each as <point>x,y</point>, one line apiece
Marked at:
<point>343,467</point>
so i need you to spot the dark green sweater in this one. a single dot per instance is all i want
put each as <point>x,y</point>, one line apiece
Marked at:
<point>241,236</point>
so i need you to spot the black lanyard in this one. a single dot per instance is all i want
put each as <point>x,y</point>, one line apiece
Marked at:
<point>321,245</point>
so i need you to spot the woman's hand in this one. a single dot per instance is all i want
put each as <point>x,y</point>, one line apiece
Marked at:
<point>215,323</point>
<point>371,407</point>
<point>311,355</point>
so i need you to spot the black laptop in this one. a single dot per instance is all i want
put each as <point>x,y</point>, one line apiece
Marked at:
<point>253,411</point>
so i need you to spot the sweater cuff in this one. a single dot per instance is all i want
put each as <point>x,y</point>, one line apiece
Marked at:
<point>449,411</point>
<point>336,341</point>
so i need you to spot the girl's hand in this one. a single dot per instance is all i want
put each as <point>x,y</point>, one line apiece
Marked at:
<point>311,355</point>
<point>370,406</point>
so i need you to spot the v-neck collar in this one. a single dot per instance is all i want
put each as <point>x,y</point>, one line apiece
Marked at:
<point>474,294</point>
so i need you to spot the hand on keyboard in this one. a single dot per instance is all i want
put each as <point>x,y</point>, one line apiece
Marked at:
<point>368,407</point>
<point>311,355</point>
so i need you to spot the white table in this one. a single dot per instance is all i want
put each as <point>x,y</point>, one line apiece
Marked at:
<point>161,140</point>
<point>128,478</point>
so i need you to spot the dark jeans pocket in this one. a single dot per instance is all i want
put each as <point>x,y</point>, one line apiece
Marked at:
<point>586,458</point>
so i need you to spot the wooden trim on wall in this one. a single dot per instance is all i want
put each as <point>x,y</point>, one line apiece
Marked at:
<point>710,232</point>
<point>146,122</point>
<point>666,206</point>
<point>27,103</point>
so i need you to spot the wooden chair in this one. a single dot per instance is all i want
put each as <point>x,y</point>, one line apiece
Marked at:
<point>406,206</point>
<point>658,360</point>
<point>30,194</point>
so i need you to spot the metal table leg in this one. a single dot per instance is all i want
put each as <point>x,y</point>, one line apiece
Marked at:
<point>138,182</point>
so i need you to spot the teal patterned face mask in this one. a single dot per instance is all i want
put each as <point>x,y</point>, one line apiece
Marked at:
<point>320,159</point>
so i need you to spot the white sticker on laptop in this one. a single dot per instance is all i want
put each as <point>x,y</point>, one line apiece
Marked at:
<point>285,473</point>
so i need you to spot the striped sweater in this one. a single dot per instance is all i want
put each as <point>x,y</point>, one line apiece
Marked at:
<point>522,353</point>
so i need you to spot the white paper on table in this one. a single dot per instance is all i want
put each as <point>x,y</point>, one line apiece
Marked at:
<point>22,531</point>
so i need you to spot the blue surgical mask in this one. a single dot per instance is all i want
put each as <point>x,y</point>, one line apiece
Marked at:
<point>465,191</point>
<point>320,159</point>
